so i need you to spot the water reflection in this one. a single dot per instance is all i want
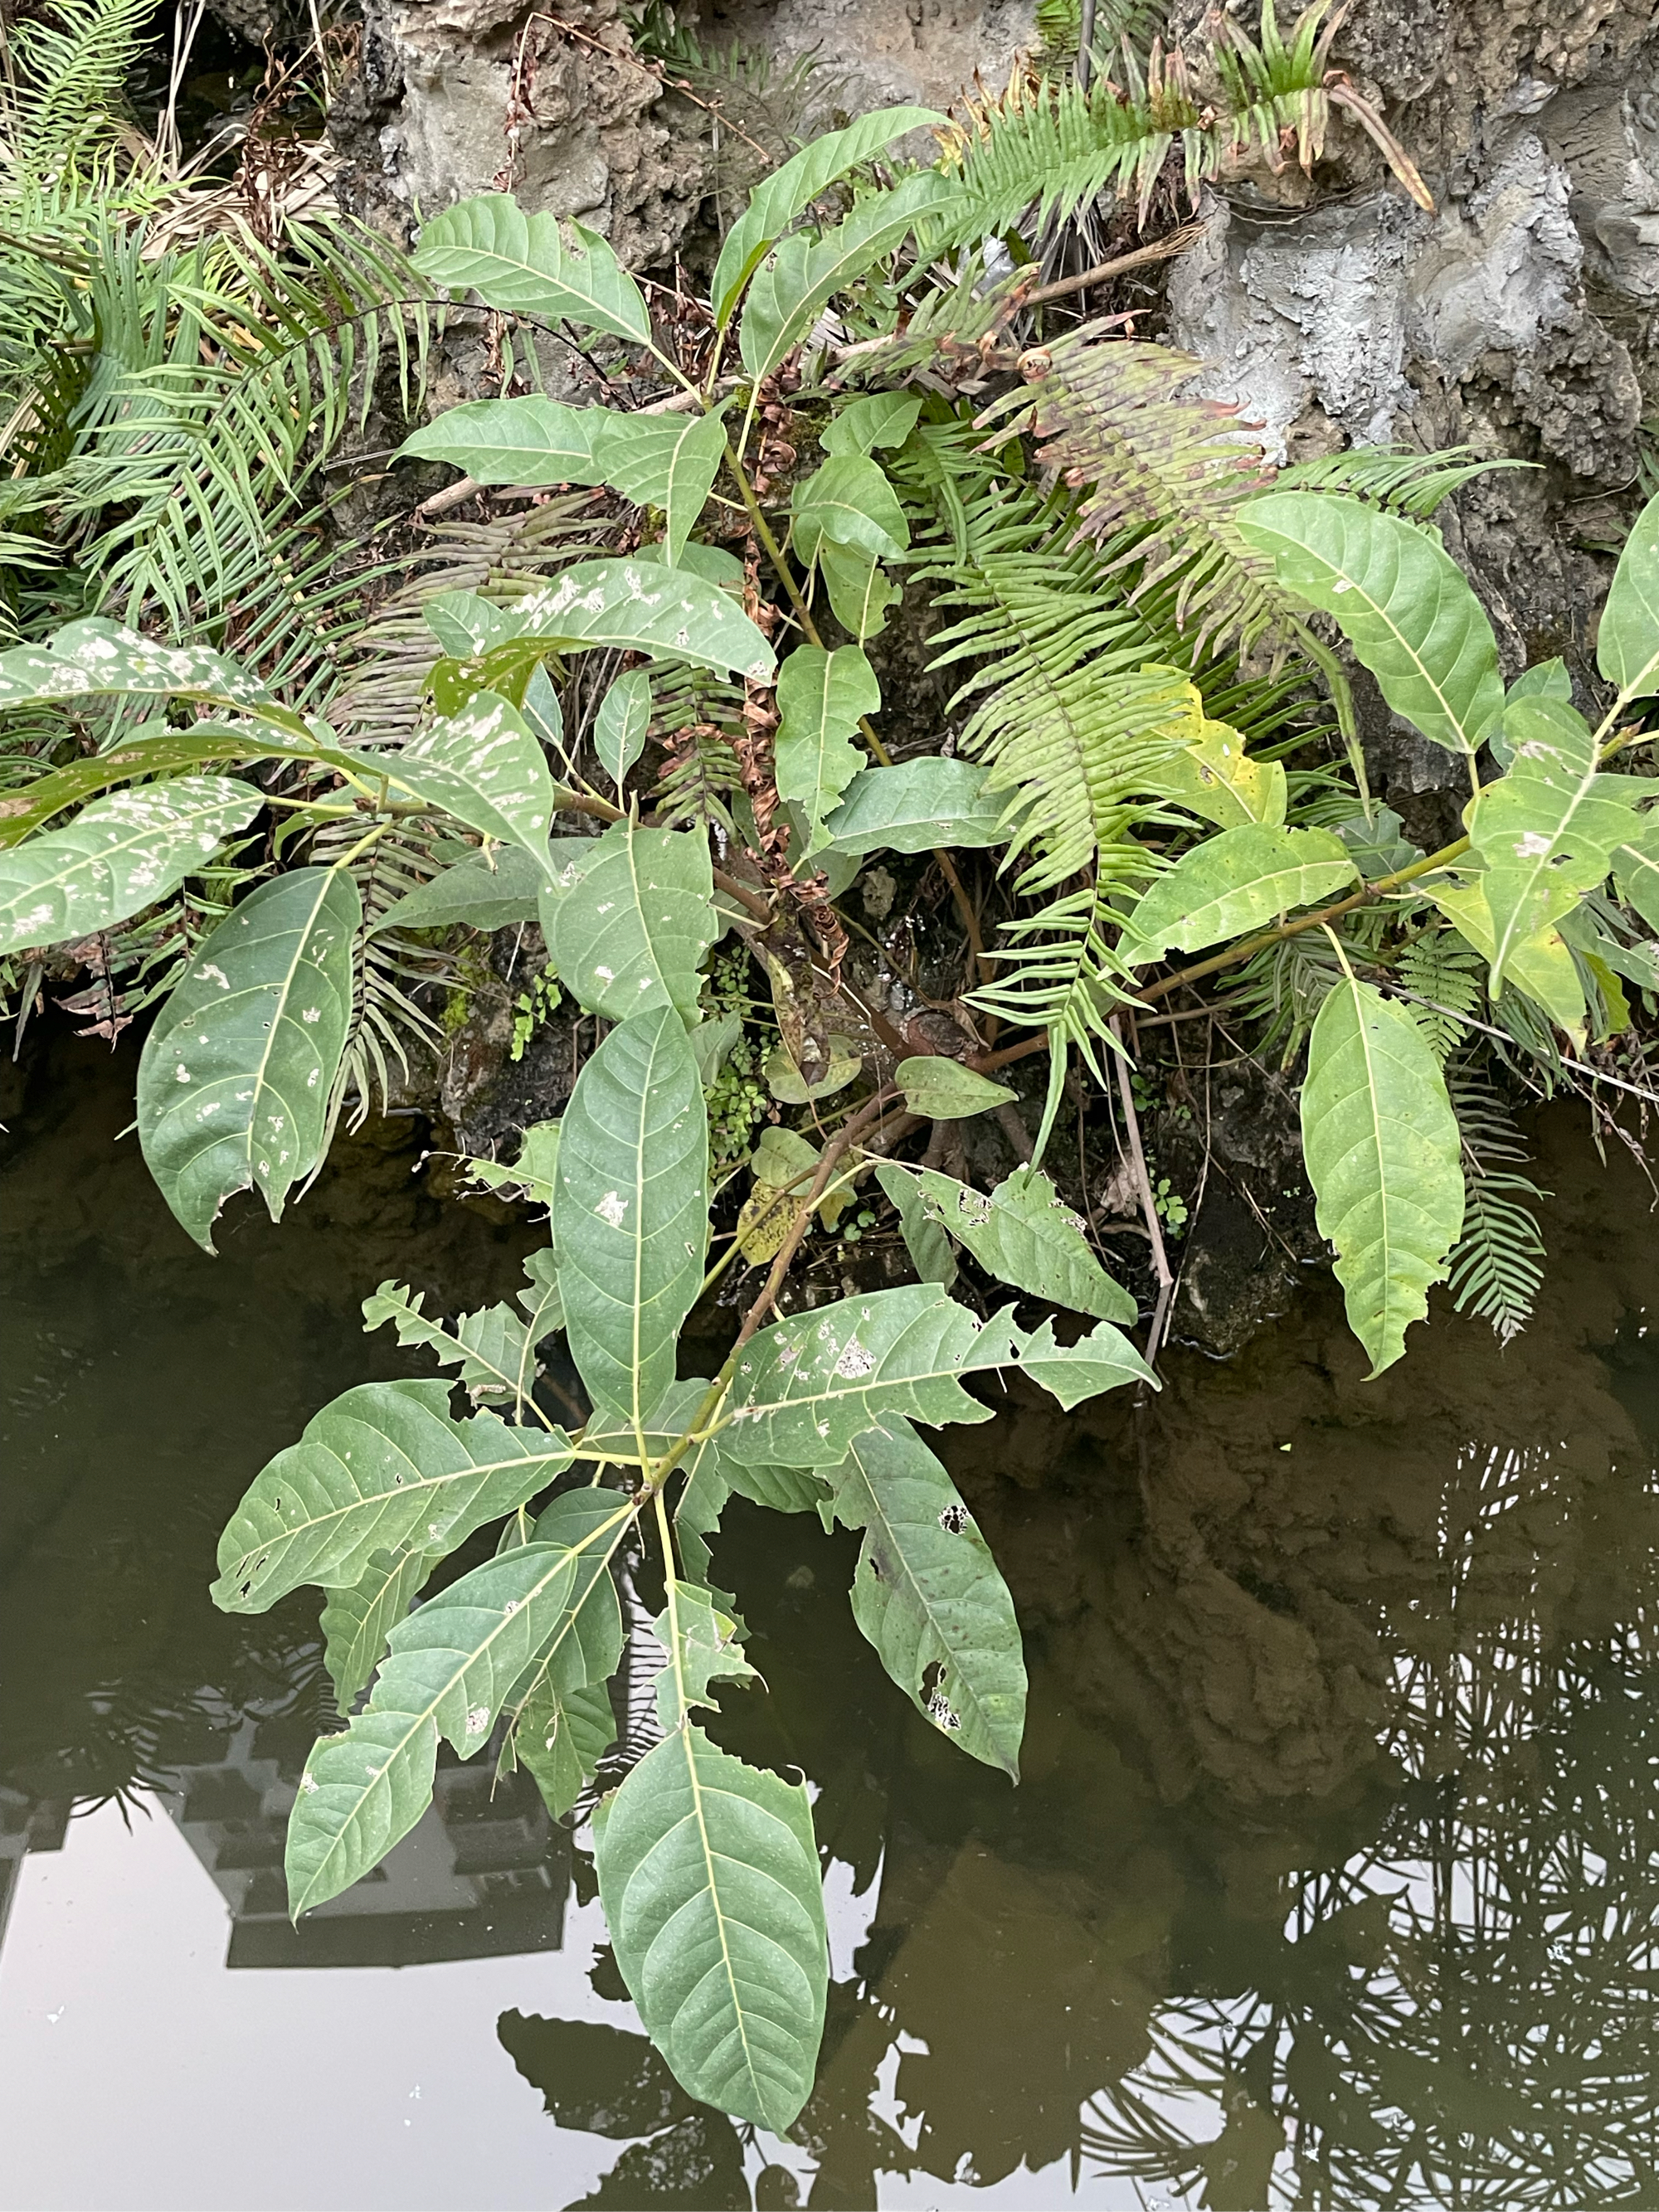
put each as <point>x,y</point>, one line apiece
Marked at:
<point>1333,1878</point>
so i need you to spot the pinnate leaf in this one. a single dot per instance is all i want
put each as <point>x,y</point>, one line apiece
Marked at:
<point>1234,883</point>
<point>927,1594</point>
<point>383,1468</point>
<point>234,1081</point>
<point>122,855</point>
<point>1383,1155</point>
<point>631,1211</point>
<point>1400,600</point>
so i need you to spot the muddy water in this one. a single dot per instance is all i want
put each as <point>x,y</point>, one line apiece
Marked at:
<point>1332,1879</point>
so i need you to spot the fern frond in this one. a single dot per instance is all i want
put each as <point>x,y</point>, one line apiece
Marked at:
<point>67,85</point>
<point>1162,485</point>
<point>1283,987</point>
<point>1394,476</point>
<point>695,716</point>
<point>1057,972</point>
<point>1439,967</point>
<point>1497,1265</point>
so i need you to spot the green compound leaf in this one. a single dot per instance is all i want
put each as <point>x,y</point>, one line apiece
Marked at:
<point>629,934</point>
<point>807,1387</point>
<point>1547,831</point>
<point>630,1212</point>
<point>1627,643</point>
<point>531,441</point>
<point>234,1082</point>
<point>849,501</point>
<point>709,1875</point>
<point>794,282</point>
<point>95,657</point>
<point>1023,1233</point>
<point>485,766</point>
<point>561,1721</point>
<point>821,697</point>
<point>667,461</point>
<point>945,1090</point>
<point>448,1670</point>
<point>1232,883</point>
<point>532,265</point>
<point>1399,599</point>
<point>620,726</point>
<point>383,1468</point>
<point>927,1594</point>
<point>1383,1155</point>
<point>917,807</point>
<point>122,855</point>
<point>779,199</point>
<point>356,1622</point>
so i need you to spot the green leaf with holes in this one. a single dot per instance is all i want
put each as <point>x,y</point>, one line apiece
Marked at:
<point>1399,599</point>
<point>448,1671</point>
<point>235,1078</point>
<point>382,1468</point>
<point>778,198</point>
<point>927,1594</point>
<point>1022,1232</point>
<point>629,934</point>
<point>631,1211</point>
<point>807,1387</point>
<point>493,1348</point>
<point>534,264</point>
<point>821,697</point>
<point>1384,1158</point>
<point>1231,884</point>
<point>1547,831</point>
<point>117,857</point>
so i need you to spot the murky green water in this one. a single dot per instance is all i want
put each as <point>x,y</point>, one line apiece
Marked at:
<point>1332,1880</point>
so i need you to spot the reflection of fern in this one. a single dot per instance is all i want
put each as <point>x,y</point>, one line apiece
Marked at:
<point>1497,1265</point>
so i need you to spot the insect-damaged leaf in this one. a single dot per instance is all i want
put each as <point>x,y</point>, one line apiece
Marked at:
<point>1399,599</point>
<point>928,1595</point>
<point>383,1468</point>
<point>95,657</point>
<point>356,1622</point>
<point>946,1089</point>
<point>1384,1158</point>
<point>1022,1232</point>
<point>1234,882</point>
<point>448,1670</point>
<point>806,1387</point>
<point>709,1875</point>
<point>122,855</point>
<point>631,1211</point>
<point>495,1348</point>
<point>629,934</point>
<point>234,1082</point>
